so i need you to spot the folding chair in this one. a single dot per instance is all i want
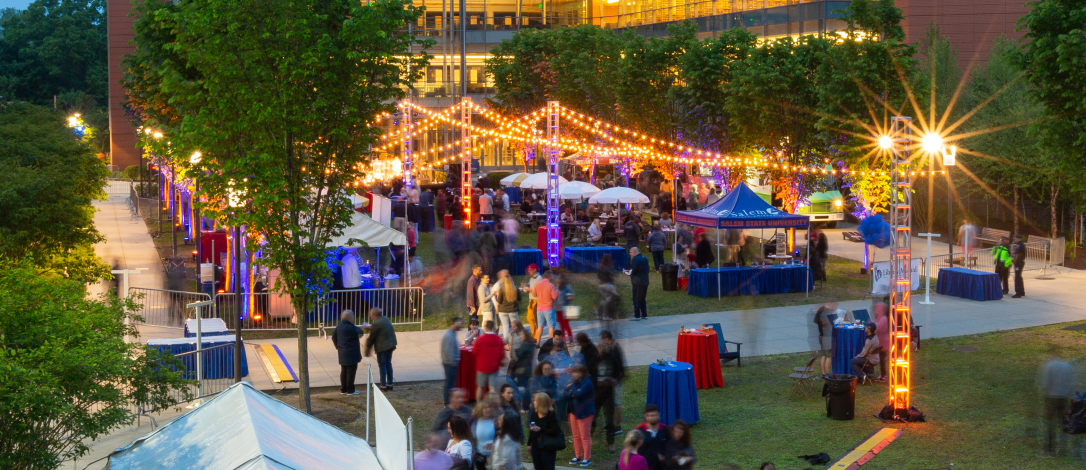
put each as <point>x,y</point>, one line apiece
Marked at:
<point>803,379</point>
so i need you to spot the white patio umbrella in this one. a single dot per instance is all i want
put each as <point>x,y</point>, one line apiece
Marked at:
<point>577,190</point>
<point>619,195</point>
<point>539,181</point>
<point>514,179</point>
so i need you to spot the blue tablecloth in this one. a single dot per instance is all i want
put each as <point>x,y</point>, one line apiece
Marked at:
<point>969,284</point>
<point>488,223</point>
<point>847,343</point>
<point>514,194</point>
<point>749,280</point>
<point>218,363</point>
<point>426,218</point>
<point>522,257</point>
<point>586,259</point>
<point>208,327</point>
<point>672,389</point>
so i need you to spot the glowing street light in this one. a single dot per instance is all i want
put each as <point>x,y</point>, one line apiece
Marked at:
<point>158,135</point>
<point>885,142</point>
<point>932,143</point>
<point>195,158</point>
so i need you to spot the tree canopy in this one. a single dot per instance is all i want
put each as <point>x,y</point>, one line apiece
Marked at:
<point>67,376</point>
<point>49,181</point>
<point>282,110</point>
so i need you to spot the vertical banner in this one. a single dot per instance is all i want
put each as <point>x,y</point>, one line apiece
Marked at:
<point>391,433</point>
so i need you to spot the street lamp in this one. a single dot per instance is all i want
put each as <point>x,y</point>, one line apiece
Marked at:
<point>933,145</point>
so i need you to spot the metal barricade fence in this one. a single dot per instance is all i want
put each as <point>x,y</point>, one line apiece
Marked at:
<point>1056,251</point>
<point>981,259</point>
<point>166,308</point>
<point>265,311</point>
<point>217,364</point>
<point>118,187</point>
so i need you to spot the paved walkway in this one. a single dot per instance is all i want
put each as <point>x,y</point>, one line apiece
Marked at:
<point>127,245</point>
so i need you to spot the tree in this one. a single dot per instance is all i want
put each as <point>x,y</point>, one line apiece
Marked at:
<point>1002,154</point>
<point>282,110</point>
<point>53,47</point>
<point>67,376</point>
<point>46,189</point>
<point>776,87</point>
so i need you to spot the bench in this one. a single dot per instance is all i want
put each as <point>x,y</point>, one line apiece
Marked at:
<point>275,364</point>
<point>1039,239</point>
<point>991,235</point>
<point>958,259</point>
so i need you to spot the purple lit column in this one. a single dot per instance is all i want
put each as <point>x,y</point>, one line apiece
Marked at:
<point>553,154</point>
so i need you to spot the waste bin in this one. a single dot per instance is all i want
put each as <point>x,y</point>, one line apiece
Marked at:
<point>669,273</point>
<point>840,393</point>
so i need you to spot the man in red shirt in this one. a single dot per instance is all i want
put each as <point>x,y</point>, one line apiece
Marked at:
<point>489,352</point>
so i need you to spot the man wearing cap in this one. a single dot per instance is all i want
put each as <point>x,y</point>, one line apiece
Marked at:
<point>1002,256</point>
<point>1018,257</point>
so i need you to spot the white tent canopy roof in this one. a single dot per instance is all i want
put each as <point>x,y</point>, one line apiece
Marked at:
<point>577,190</point>
<point>369,231</point>
<point>514,179</point>
<point>243,428</point>
<point>539,181</point>
<point>619,195</point>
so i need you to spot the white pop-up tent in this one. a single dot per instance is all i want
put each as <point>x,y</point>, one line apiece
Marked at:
<point>372,234</point>
<point>369,231</point>
<point>243,428</point>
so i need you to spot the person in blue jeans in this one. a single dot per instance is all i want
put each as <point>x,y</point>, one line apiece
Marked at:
<point>382,339</point>
<point>639,277</point>
<point>450,355</point>
<point>657,240</point>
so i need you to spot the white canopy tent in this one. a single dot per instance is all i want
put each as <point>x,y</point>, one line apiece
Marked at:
<point>619,195</point>
<point>243,428</point>
<point>514,179</point>
<point>372,234</point>
<point>539,181</point>
<point>577,190</point>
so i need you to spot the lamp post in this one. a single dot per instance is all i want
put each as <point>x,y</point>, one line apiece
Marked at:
<point>933,145</point>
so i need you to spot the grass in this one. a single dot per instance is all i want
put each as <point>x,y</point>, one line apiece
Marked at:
<point>982,409</point>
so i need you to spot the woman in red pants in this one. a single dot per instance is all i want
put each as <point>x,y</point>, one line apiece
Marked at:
<point>565,298</point>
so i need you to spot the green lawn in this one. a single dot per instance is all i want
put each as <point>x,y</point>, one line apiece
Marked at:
<point>982,409</point>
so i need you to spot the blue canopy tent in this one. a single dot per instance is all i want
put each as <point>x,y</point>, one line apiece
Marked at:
<point>739,209</point>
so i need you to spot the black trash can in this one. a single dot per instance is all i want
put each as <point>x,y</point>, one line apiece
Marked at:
<point>840,393</point>
<point>669,273</point>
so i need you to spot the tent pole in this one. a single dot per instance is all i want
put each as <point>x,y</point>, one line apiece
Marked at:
<point>718,263</point>
<point>806,285</point>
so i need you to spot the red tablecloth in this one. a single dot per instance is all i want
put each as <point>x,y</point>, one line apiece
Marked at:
<point>448,222</point>
<point>700,349</point>
<point>465,372</point>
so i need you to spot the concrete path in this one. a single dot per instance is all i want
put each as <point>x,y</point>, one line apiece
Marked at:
<point>127,245</point>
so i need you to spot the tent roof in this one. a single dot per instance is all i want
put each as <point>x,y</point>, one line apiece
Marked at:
<point>370,231</point>
<point>741,208</point>
<point>245,429</point>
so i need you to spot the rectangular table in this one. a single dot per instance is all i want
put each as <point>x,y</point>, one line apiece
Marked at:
<point>749,280</point>
<point>218,362</point>
<point>522,257</point>
<point>586,259</point>
<point>969,284</point>
<point>208,327</point>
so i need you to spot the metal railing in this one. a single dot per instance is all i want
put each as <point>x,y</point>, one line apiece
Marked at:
<point>143,206</point>
<point>118,187</point>
<point>1038,257</point>
<point>264,311</point>
<point>216,365</point>
<point>166,308</point>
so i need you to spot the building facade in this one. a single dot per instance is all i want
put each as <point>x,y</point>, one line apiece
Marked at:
<point>461,48</point>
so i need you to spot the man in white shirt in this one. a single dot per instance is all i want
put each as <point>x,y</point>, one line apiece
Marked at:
<point>350,274</point>
<point>415,268</point>
<point>505,200</point>
<point>486,206</point>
